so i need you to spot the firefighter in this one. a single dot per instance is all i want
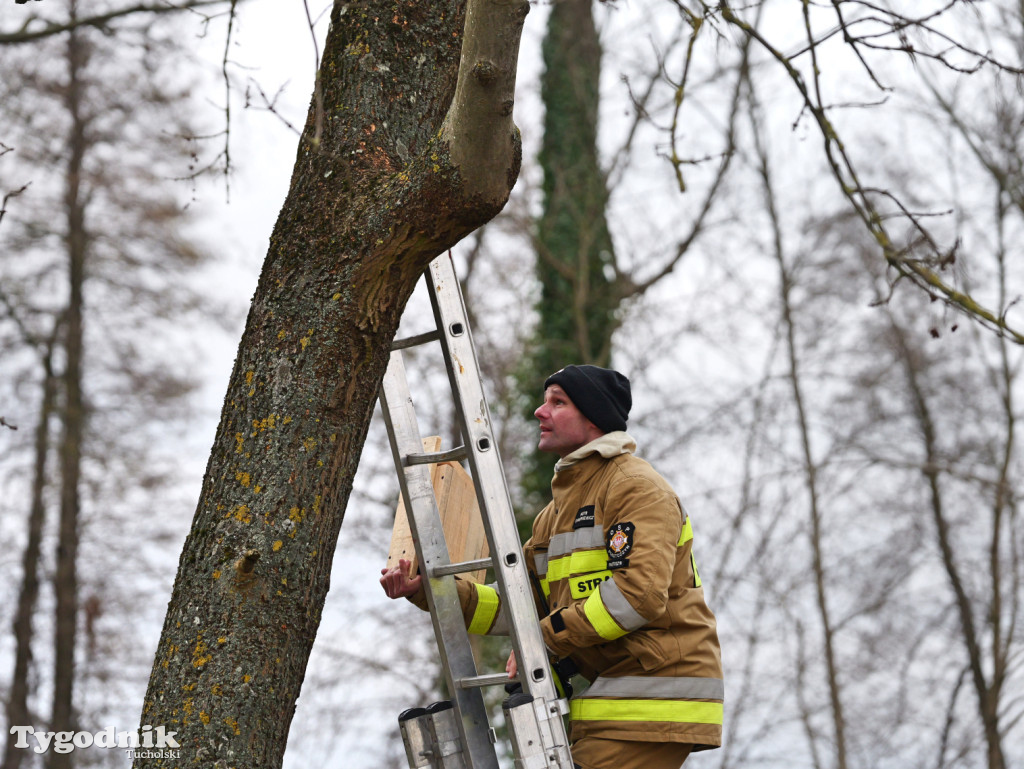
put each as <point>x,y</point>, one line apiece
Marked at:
<point>621,595</point>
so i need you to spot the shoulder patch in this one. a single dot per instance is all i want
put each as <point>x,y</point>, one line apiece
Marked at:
<point>584,517</point>
<point>619,544</point>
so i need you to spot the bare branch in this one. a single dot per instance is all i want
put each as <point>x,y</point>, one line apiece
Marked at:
<point>921,272</point>
<point>36,28</point>
<point>8,196</point>
<point>632,289</point>
<point>318,91</point>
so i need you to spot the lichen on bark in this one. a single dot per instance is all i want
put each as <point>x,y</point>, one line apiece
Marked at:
<point>389,173</point>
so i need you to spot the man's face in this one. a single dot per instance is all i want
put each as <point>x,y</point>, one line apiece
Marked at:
<point>563,428</point>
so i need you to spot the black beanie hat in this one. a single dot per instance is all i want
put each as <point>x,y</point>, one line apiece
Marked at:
<point>601,394</point>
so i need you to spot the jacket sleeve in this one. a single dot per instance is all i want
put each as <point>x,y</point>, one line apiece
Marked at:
<point>481,606</point>
<point>643,526</point>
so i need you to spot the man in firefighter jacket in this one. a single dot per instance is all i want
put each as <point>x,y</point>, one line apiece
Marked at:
<point>622,597</point>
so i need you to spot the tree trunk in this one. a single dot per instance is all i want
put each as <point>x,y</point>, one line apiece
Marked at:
<point>578,302</point>
<point>73,417</point>
<point>816,514</point>
<point>409,153</point>
<point>987,690</point>
<point>17,701</point>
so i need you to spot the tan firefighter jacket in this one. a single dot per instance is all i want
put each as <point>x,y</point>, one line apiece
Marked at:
<point>622,597</point>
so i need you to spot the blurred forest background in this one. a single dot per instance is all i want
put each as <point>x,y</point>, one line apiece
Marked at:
<point>797,227</point>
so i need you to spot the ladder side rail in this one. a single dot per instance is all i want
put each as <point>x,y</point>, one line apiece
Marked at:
<point>442,596</point>
<point>493,496</point>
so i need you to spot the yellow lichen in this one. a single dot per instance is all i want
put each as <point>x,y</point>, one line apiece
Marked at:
<point>278,545</point>
<point>240,513</point>
<point>243,478</point>
<point>267,423</point>
<point>200,655</point>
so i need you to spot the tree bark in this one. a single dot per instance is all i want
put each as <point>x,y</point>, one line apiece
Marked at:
<point>72,414</point>
<point>410,152</point>
<point>17,701</point>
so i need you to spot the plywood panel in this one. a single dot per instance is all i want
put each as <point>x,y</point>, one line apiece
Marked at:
<point>460,517</point>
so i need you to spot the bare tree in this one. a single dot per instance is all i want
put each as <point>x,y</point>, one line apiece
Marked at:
<point>83,243</point>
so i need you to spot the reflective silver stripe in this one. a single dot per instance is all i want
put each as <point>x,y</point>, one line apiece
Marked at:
<point>540,564</point>
<point>500,624</point>
<point>566,542</point>
<point>654,687</point>
<point>617,605</point>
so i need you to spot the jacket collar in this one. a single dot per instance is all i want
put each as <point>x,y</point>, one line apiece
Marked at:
<point>608,445</point>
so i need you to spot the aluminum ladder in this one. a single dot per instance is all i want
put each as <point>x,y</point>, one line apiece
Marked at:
<point>460,735</point>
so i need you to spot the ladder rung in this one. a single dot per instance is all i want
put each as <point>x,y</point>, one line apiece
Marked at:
<point>415,341</point>
<point>460,568</point>
<point>491,679</point>
<point>432,458</point>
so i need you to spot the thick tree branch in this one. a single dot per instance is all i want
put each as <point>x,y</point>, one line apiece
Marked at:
<point>483,140</point>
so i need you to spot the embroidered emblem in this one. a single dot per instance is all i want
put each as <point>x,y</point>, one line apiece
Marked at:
<point>584,517</point>
<point>620,543</point>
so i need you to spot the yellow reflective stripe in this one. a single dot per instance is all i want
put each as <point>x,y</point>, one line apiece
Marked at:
<point>684,537</point>
<point>576,563</point>
<point>601,619</point>
<point>585,584</point>
<point>486,609</point>
<point>687,533</point>
<point>587,560</point>
<point>545,587</point>
<point>674,711</point>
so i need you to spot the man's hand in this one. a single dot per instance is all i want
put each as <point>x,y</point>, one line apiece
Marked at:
<point>396,582</point>
<point>510,667</point>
